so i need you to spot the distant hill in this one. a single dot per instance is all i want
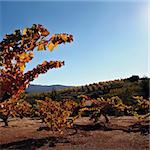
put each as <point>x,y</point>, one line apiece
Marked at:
<point>123,88</point>
<point>44,88</point>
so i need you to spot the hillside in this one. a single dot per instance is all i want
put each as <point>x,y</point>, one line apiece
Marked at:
<point>44,88</point>
<point>123,88</point>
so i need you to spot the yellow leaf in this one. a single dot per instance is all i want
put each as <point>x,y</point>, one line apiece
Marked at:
<point>23,55</point>
<point>24,31</point>
<point>22,68</point>
<point>31,54</point>
<point>51,46</point>
<point>64,37</point>
<point>56,44</point>
<point>41,47</point>
<point>51,62</point>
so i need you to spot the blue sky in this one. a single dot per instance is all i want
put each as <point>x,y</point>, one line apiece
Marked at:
<point>110,38</point>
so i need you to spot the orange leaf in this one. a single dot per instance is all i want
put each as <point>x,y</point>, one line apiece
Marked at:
<point>41,47</point>
<point>64,37</point>
<point>22,68</point>
<point>51,46</point>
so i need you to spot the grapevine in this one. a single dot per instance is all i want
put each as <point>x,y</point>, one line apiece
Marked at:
<point>16,50</point>
<point>100,106</point>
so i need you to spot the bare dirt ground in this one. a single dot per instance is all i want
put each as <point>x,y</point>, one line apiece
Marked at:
<point>23,134</point>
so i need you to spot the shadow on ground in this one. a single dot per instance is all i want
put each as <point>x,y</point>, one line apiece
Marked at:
<point>32,144</point>
<point>143,129</point>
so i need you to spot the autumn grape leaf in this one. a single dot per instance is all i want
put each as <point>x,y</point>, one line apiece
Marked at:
<point>51,46</point>
<point>25,57</point>
<point>22,68</point>
<point>58,64</point>
<point>24,31</point>
<point>64,37</point>
<point>41,45</point>
<point>22,56</point>
<point>45,33</point>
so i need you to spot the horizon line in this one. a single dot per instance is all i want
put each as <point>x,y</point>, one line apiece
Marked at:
<point>105,80</point>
